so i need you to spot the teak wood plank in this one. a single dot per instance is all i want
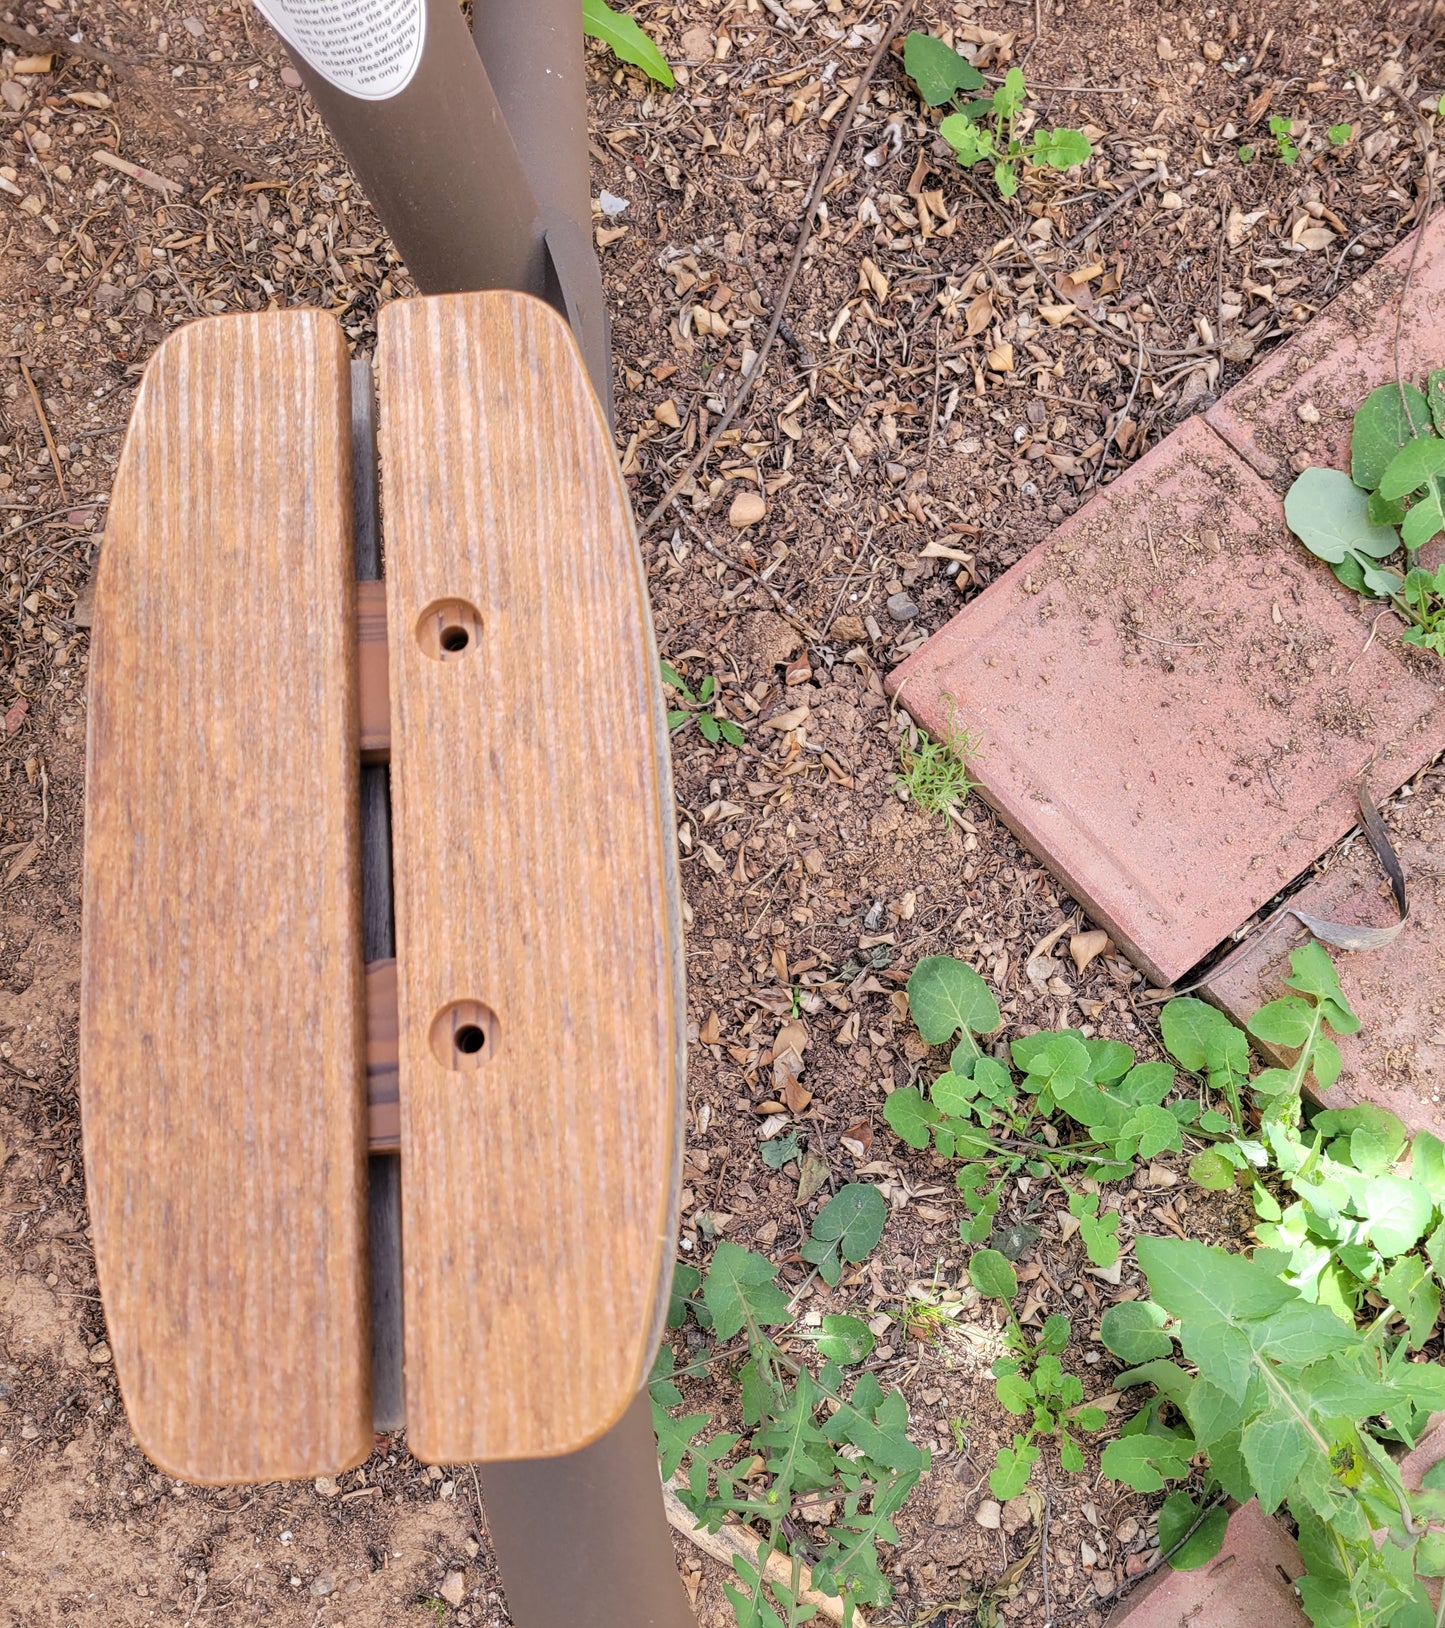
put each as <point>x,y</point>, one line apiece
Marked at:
<point>538,949</point>
<point>223,1023</point>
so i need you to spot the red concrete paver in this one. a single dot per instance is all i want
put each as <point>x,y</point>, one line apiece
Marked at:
<point>1398,1058</point>
<point>1334,363</point>
<point>1175,701</point>
<point>1247,1585</point>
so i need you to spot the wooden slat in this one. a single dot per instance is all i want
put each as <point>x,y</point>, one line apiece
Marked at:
<point>223,1030</point>
<point>533,851</point>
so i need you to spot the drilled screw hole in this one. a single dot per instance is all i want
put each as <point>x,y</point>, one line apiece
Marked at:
<point>464,1035</point>
<point>449,630</point>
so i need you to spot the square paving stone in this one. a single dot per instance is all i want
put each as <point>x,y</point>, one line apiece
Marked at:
<point>1174,701</point>
<point>1326,370</point>
<point>1398,1058</point>
<point>1248,1584</point>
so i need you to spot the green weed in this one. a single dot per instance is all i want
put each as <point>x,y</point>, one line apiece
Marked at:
<point>1031,1383</point>
<point>822,1441</point>
<point>1285,147</point>
<point>1396,480</point>
<point>936,774</point>
<point>1290,1373</point>
<point>625,39</point>
<point>983,130</point>
<point>711,724</point>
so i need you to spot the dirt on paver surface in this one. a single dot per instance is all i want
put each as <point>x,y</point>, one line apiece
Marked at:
<point>957,374</point>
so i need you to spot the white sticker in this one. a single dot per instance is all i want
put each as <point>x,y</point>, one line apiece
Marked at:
<point>368,48</point>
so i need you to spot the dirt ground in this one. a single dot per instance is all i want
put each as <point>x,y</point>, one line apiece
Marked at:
<point>955,376</point>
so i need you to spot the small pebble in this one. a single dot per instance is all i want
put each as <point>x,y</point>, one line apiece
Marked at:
<point>989,1515</point>
<point>326,1487</point>
<point>454,1588</point>
<point>901,608</point>
<point>100,1353</point>
<point>747,509</point>
<point>323,1584</point>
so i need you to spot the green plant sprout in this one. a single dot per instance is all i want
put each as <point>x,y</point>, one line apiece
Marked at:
<point>621,34</point>
<point>1340,135</point>
<point>983,130</point>
<point>936,774</point>
<point>711,726</point>
<point>818,1446</point>
<point>1396,479</point>
<point>1285,147</point>
<point>1031,1383</point>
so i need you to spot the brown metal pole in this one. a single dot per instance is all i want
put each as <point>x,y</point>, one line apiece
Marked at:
<point>435,158</point>
<point>581,1541</point>
<point>534,54</point>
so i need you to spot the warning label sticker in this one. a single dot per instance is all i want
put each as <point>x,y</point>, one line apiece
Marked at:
<point>368,48</point>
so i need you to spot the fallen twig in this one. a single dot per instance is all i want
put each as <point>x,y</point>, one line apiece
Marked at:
<point>815,196</point>
<point>45,431</point>
<point>1111,209</point>
<point>137,172</point>
<point>733,1538</point>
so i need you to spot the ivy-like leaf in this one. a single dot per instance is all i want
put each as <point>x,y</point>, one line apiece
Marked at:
<point>1425,519</point>
<point>1312,971</point>
<point>1009,98</point>
<point>1134,1331</point>
<point>1385,421</point>
<point>910,1116</point>
<point>686,1281</point>
<point>1062,149</point>
<point>1177,1514</point>
<point>971,142</point>
<point>781,1150</point>
<point>937,70</point>
<point>946,996</point>
<point>1413,465</point>
<point>846,1228</point>
<point>1330,516</point>
<point>992,1275</point>
<point>1010,1474</point>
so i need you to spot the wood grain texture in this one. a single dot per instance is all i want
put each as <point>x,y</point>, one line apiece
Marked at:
<point>383,1099</point>
<point>222,1023</point>
<point>373,700</point>
<point>534,874</point>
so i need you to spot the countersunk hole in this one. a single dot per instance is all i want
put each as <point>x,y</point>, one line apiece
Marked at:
<point>449,629</point>
<point>464,1035</point>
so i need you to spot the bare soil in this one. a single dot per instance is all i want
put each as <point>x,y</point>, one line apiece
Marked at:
<point>957,374</point>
